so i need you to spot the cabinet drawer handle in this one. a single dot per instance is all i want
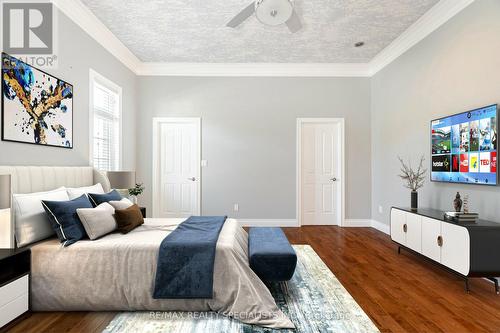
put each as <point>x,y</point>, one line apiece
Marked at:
<point>440,241</point>
<point>405,227</point>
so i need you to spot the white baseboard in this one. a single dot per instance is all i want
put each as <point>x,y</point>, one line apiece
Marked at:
<point>367,223</point>
<point>357,223</point>
<point>385,228</point>
<point>268,222</point>
<point>348,223</point>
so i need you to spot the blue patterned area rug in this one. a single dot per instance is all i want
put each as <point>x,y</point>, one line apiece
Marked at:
<point>314,300</point>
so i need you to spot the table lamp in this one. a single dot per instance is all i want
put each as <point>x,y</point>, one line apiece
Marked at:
<point>121,181</point>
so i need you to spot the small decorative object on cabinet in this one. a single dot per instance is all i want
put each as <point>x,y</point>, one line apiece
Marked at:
<point>414,200</point>
<point>457,203</point>
<point>414,179</point>
<point>15,267</point>
<point>466,204</point>
<point>135,191</point>
<point>466,249</point>
<point>461,217</point>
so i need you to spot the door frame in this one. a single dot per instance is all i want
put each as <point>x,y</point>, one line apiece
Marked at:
<point>341,164</point>
<point>157,121</point>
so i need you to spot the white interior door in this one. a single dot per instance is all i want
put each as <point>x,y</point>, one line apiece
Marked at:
<point>320,175</point>
<point>177,168</point>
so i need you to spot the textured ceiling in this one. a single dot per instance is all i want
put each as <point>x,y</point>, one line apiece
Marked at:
<point>195,31</point>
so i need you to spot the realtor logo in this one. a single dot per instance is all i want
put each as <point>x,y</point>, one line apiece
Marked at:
<point>28,31</point>
<point>28,28</point>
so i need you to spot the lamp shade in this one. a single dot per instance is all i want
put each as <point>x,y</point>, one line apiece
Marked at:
<point>121,179</point>
<point>5,191</point>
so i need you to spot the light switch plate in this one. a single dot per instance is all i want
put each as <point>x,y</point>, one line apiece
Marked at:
<point>204,163</point>
<point>236,207</point>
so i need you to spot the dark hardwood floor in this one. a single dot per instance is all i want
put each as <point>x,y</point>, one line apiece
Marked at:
<point>400,293</point>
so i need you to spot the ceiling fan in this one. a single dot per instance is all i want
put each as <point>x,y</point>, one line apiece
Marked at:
<point>270,12</point>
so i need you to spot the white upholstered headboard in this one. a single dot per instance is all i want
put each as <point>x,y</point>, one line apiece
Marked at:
<point>27,179</point>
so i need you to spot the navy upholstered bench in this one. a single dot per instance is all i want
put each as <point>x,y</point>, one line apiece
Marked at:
<point>270,254</point>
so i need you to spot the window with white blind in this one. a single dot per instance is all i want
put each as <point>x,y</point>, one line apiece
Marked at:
<point>105,109</point>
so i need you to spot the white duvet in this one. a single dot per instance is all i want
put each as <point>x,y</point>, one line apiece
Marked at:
<point>116,273</point>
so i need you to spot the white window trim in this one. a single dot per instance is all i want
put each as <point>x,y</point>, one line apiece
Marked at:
<point>96,77</point>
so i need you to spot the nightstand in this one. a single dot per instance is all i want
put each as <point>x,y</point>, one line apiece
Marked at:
<point>15,266</point>
<point>143,211</point>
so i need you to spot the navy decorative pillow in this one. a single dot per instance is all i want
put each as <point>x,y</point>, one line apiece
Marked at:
<point>98,199</point>
<point>65,220</point>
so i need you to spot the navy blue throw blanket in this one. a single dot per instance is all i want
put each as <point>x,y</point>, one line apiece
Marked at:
<point>186,259</point>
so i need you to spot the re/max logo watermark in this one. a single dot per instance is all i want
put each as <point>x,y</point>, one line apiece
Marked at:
<point>28,31</point>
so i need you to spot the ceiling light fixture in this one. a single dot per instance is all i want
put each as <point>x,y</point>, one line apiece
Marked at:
<point>270,12</point>
<point>273,12</point>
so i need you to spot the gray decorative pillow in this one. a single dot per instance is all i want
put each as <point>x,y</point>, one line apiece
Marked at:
<point>122,204</point>
<point>97,221</point>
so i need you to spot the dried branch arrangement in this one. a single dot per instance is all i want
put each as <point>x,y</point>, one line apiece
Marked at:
<point>414,179</point>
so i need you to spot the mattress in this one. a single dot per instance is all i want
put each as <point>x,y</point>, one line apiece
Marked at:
<point>116,273</point>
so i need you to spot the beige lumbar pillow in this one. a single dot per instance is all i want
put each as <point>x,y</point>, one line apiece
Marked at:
<point>97,221</point>
<point>122,204</point>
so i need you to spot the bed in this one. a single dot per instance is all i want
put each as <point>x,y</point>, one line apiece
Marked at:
<point>116,272</point>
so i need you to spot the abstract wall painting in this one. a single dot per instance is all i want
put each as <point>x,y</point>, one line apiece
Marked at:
<point>37,107</point>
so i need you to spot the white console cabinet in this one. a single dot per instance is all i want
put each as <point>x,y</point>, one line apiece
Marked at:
<point>467,249</point>
<point>440,241</point>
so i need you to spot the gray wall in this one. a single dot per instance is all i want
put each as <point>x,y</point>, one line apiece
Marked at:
<point>249,140</point>
<point>455,69</point>
<point>248,124</point>
<point>77,52</point>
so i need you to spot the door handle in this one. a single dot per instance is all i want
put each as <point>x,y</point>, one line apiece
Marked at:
<point>333,179</point>
<point>405,227</point>
<point>192,179</point>
<point>440,241</point>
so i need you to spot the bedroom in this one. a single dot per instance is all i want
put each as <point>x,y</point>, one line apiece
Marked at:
<point>253,100</point>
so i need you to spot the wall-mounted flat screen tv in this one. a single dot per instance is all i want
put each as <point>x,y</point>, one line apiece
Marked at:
<point>464,147</point>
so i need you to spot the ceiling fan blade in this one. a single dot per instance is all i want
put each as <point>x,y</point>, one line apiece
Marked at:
<point>242,16</point>
<point>294,23</point>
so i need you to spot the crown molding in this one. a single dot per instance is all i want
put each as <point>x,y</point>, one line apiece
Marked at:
<point>254,69</point>
<point>83,17</point>
<point>429,22</point>
<point>438,15</point>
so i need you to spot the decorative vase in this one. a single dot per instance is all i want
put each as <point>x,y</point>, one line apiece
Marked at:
<point>414,200</point>
<point>457,203</point>
<point>134,199</point>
